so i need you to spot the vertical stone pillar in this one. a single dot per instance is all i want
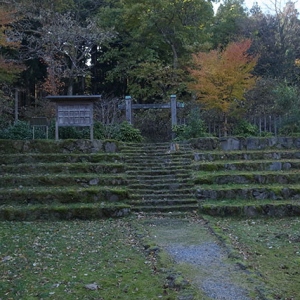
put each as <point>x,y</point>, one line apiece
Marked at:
<point>173,113</point>
<point>16,106</point>
<point>128,109</point>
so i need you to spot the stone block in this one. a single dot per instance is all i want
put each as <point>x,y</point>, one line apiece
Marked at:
<point>230,143</point>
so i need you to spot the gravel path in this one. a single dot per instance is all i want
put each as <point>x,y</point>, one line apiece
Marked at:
<point>192,245</point>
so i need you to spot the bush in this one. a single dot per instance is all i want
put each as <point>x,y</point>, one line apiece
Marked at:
<point>121,132</point>
<point>104,132</point>
<point>245,129</point>
<point>19,131</point>
<point>69,132</point>
<point>127,133</point>
<point>124,132</point>
<point>195,127</point>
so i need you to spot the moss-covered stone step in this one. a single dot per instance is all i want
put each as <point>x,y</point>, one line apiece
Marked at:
<point>158,163</point>
<point>267,208</point>
<point>60,194</point>
<point>263,165</point>
<point>166,202</point>
<point>60,146</point>
<point>157,171</point>
<point>67,168</point>
<point>253,191</point>
<point>274,154</point>
<point>156,147</point>
<point>136,196</point>
<point>138,177</point>
<point>131,156</point>
<point>242,177</point>
<point>88,211</point>
<point>58,158</point>
<point>164,208</point>
<point>48,180</point>
<point>160,186</point>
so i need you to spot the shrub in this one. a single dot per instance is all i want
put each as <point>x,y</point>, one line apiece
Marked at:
<point>123,132</point>
<point>19,131</point>
<point>195,127</point>
<point>245,129</point>
<point>127,133</point>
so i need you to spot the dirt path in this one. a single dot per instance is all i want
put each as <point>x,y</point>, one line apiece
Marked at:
<point>201,258</point>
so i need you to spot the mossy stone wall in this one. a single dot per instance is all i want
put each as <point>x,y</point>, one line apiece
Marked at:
<point>60,146</point>
<point>250,143</point>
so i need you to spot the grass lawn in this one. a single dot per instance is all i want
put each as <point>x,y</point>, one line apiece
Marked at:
<point>57,260</point>
<point>60,260</point>
<point>270,248</point>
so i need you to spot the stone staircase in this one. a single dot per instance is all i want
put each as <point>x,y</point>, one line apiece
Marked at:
<point>160,177</point>
<point>63,180</point>
<point>89,180</point>
<point>248,183</point>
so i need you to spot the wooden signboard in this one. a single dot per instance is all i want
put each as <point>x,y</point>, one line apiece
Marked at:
<point>80,114</point>
<point>75,111</point>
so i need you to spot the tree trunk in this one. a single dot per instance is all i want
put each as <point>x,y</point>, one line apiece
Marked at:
<point>225,125</point>
<point>16,105</point>
<point>70,87</point>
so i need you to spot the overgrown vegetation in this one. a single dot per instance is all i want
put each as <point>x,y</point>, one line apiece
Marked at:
<point>194,128</point>
<point>121,132</point>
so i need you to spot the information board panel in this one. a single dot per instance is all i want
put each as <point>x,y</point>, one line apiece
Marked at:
<point>74,114</point>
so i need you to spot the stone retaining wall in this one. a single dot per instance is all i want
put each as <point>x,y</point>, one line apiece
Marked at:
<point>251,143</point>
<point>60,146</point>
<point>110,146</point>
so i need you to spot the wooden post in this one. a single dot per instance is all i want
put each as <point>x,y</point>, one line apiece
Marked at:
<point>128,108</point>
<point>56,130</point>
<point>173,113</point>
<point>92,132</point>
<point>16,105</point>
<point>174,110</point>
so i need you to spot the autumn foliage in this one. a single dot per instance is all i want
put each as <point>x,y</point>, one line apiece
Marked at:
<point>222,77</point>
<point>9,69</point>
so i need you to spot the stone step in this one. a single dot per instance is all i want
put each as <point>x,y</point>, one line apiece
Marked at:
<point>158,161</point>
<point>167,202</point>
<point>47,180</point>
<point>64,195</point>
<point>150,147</point>
<point>49,146</point>
<point>36,158</point>
<point>157,170</point>
<point>54,212</point>
<point>283,177</point>
<point>160,196</point>
<point>248,165</point>
<point>169,208</point>
<point>157,165</point>
<point>246,155</point>
<point>66,168</point>
<point>162,186</point>
<point>127,153</point>
<point>184,177</point>
<point>253,191</point>
<point>267,208</point>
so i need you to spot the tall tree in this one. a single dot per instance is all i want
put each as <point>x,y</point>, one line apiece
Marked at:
<point>159,31</point>
<point>62,43</point>
<point>277,38</point>
<point>221,78</point>
<point>228,22</point>
<point>9,67</point>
